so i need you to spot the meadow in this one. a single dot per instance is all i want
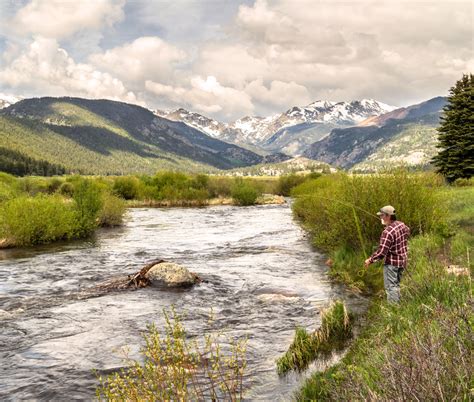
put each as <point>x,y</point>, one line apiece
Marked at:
<point>422,348</point>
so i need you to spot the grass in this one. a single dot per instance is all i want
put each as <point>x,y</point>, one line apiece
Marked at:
<point>423,348</point>
<point>335,329</point>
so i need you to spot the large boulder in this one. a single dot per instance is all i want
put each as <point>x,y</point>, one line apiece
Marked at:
<point>171,275</point>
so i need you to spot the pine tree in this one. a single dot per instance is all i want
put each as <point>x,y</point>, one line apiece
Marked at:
<point>456,132</point>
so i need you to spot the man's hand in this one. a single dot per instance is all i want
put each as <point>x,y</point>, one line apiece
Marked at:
<point>367,262</point>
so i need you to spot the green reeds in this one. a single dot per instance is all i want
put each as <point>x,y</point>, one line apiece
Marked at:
<point>335,329</point>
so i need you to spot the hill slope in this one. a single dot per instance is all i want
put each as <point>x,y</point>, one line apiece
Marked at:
<point>102,136</point>
<point>403,136</point>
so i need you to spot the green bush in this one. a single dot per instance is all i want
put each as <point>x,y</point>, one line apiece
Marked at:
<point>127,187</point>
<point>35,220</point>
<point>244,194</point>
<point>112,210</point>
<point>288,182</point>
<point>339,210</point>
<point>87,203</point>
<point>66,189</point>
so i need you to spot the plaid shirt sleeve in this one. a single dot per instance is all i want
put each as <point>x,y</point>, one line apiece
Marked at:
<point>384,246</point>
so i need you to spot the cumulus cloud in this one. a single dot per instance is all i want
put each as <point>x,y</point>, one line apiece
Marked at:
<point>46,68</point>
<point>146,58</point>
<point>206,96</point>
<point>59,19</point>
<point>257,57</point>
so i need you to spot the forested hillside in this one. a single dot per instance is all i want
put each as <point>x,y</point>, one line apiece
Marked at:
<point>107,137</point>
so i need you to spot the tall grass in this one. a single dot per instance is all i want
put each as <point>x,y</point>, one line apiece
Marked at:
<point>175,368</point>
<point>340,213</point>
<point>423,348</point>
<point>306,347</point>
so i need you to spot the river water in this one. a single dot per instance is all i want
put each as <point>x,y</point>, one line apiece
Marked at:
<point>262,279</point>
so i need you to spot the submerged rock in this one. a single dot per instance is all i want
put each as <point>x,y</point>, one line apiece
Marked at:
<point>171,275</point>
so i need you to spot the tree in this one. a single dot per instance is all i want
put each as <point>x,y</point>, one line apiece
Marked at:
<point>456,132</point>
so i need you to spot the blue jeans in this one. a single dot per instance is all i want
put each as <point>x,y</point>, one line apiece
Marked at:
<point>391,279</point>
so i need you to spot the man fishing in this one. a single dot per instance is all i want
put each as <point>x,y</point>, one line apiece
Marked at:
<point>393,248</point>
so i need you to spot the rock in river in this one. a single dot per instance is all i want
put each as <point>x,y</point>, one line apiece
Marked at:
<point>171,275</point>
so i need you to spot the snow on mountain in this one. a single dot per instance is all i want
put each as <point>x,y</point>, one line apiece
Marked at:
<point>257,131</point>
<point>7,100</point>
<point>206,125</point>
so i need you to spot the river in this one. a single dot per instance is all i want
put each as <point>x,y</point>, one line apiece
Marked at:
<point>263,278</point>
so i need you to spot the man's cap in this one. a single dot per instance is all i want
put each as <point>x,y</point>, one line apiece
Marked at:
<point>388,209</point>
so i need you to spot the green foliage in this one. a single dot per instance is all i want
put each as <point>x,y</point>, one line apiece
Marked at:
<point>243,193</point>
<point>456,156</point>
<point>287,182</point>
<point>175,368</point>
<point>66,189</point>
<point>426,343</point>
<point>339,210</point>
<point>335,329</point>
<point>112,210</point>
<point>127,187</point>
<point>87,203</point>
<point>20,164</point>
<point>34,220</point>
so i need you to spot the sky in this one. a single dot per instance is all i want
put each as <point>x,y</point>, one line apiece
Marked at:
<point>227,59</point>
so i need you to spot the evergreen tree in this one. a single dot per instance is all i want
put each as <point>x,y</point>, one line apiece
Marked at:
<point>456,132</point>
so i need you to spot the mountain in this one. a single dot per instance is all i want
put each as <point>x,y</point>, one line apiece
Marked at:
<point>402,136</point>
<point>103,136</point>
<point>289,132</point>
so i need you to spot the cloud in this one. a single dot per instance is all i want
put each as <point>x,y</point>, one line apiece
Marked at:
<point>46,68</point>
<point>279,95</point>
<point>59,19</point>
<point>206,96</point>
<point>146,58</point>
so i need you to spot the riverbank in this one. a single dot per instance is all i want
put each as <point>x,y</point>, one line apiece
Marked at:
<point>40,210</point>
<point>264,199</point>
<point>423,348</point>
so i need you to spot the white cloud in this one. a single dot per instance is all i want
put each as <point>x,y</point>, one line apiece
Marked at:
<point>279,95</point>
<point>46,68</point>
<point>59,18</point>
<point>146,58</point>
<point>206,96</point>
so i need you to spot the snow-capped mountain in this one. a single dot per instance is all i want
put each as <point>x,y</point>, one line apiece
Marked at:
<point>289,132</point>
<point>7,100</point>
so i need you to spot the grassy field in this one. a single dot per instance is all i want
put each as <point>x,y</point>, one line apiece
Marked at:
<point>423,348</point>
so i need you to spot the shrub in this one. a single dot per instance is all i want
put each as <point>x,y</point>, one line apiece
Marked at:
<point>35,220</point>
<point>127,187</point>
<point>175,369</point>
<point>112,211</point>
<point>288,182</point>
<point>244,194</point>
<point>66,189</point>
<point>339,210</point>
<point>87,203</point>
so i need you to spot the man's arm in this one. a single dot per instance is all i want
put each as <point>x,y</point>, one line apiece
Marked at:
<point>384,247</point>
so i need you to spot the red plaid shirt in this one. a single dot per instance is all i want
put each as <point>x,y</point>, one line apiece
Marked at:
<point>393,245</point>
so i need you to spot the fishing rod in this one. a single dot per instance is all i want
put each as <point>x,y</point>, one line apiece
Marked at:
<point>356,220</point>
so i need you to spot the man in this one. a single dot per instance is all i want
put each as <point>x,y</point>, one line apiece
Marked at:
<point>393,248</point>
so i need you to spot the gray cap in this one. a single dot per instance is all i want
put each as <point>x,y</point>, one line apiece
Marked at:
<point>388,210</point>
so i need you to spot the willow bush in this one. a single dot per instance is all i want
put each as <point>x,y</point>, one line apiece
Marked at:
<point>176,368</point>
<point>339,210</point>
